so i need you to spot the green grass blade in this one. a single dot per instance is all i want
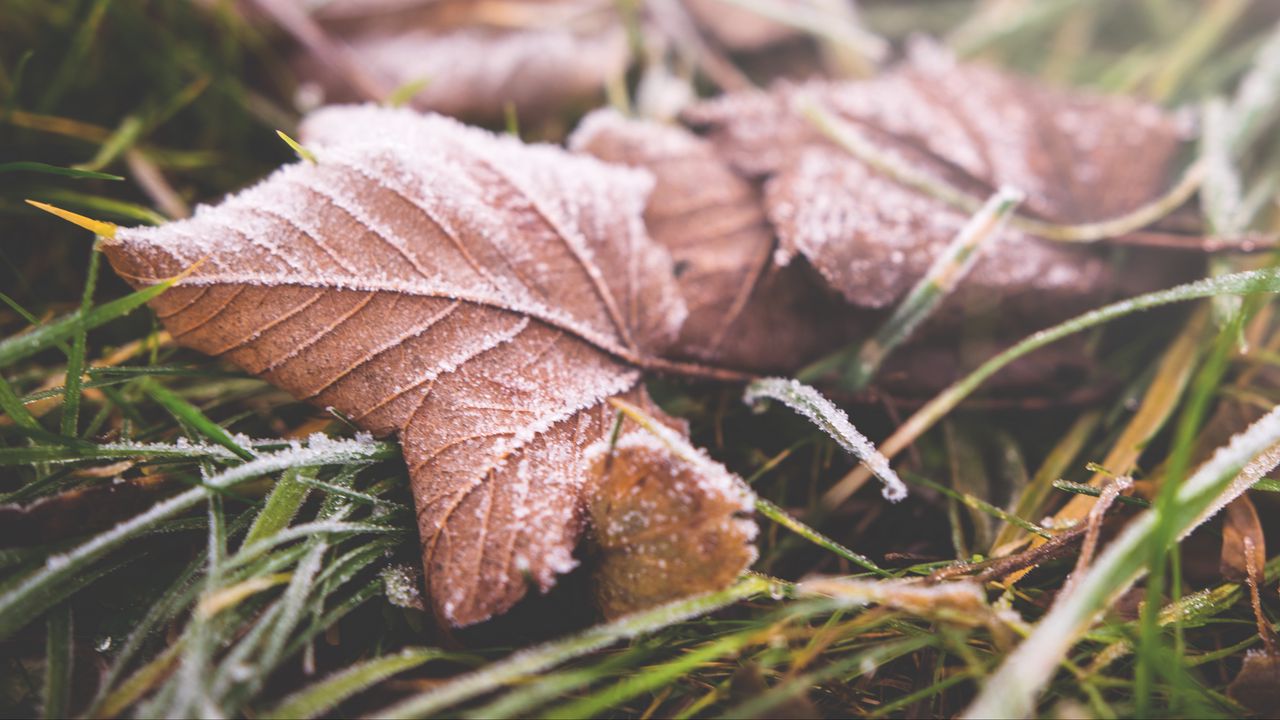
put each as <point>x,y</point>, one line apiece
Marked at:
<point>58,661</point>
<point>780,516</point>
<point>193,417</point>
<point>282,504</point>
<point>321,697</point>
<point>23,346</point>
<point>13,406</point>
<point>39,167</point>
<point>75,360</point>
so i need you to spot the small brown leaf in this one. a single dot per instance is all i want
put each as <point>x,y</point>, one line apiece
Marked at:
<point>479,297</point>
<point>668,522</point>
<point>1079,157</point>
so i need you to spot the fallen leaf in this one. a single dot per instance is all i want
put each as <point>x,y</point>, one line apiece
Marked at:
<point>747,312</point>
<point>669,522</point>
<point>743,29</point>
<point>480,297</point>
<point>80,511</point>
<point>744,311</point>
<point>472,59</point>
<point>1257,687</point>
<point>1079,158</point>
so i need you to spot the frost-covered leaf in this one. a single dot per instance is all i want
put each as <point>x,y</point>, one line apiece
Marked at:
<point>480,297</point>
<point>667,523</point>
<point>473,58</point>
<point>744,311</point>
<point>741,28</point>
<point>1079,158</point>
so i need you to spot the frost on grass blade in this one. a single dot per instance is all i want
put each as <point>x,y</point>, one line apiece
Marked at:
<point>832,420</point>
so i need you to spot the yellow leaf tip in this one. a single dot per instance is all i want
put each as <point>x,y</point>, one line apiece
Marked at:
<point>97,227</point>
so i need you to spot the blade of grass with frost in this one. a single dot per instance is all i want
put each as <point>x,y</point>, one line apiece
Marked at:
<point>764,507</point>
<point>946,272</point>
<point>972,501</point>
<point>282,504</point>
<point>543,657</point>
<point>832,420</point>
<point>1244,283</point>
<point>1013,689</point>
<point>321,697</point>
<point>32,593</point>
<point>274,627</point>
<point>1189,610</point>
<point>847,138</point>
<point>121,450</point>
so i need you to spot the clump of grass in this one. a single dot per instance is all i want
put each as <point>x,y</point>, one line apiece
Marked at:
<point>252,560</point>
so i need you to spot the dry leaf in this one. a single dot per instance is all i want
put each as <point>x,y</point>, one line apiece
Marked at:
<point>475,58</point>
<point>1079,157</point>
<point>744,311</point>
<point>668,524</point>
<point>80,511</point>
<point>1257,687</point>
<point>480,297</point>
<point>742,29</point>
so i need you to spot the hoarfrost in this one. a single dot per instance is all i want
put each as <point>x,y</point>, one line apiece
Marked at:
<point>832,420</point>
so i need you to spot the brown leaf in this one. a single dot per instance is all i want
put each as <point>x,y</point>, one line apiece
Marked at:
<point>742,29</point>
<point>80,511</point>
<point>476,57</point>
<point>668,523</point>
<point>1079,157</point>
<point>480,297</point>
<point>744,311</point>
<point>1257,687</point>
